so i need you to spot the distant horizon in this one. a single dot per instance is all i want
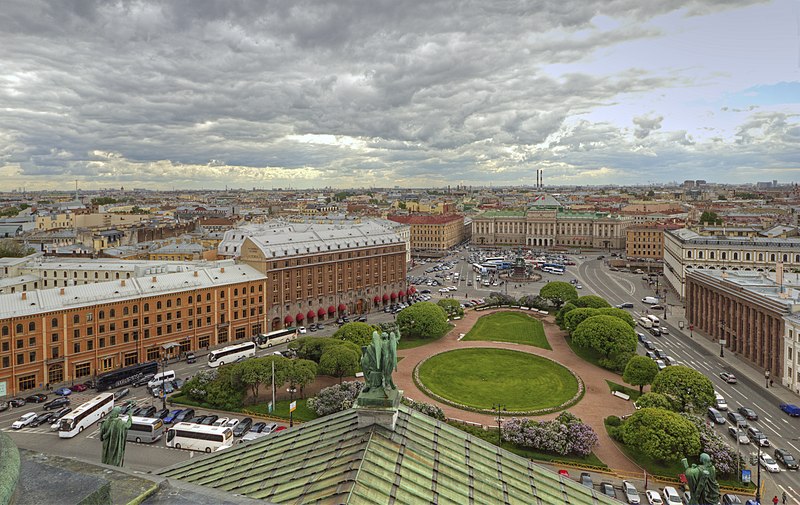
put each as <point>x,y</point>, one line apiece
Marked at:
<point>413,94</point>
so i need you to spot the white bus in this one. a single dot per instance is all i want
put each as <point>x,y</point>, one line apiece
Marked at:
<point>144,429</point>
<point>85,415</point>
<point>495,259</point>
<point>653,319</point>
<point>231,354</point>
<point>199,437</point>
<point>645,322</point>
<point>264,340</point>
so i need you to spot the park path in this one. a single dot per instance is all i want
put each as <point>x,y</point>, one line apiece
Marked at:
<point>596,404</point>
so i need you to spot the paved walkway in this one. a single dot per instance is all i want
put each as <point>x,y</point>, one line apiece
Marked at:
<point>597,403</point>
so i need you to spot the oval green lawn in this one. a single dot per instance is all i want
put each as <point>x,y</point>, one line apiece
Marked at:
<point>509,327</point>
<point>479,378</point>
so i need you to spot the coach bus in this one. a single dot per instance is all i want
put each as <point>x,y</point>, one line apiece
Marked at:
<point>85,415</point>
<point>264,340</point>
<point>199,437</point>
<point>125,376</point>
<point>231,354</point>
<point>144,429</point>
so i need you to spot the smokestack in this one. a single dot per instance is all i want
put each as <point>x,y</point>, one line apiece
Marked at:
<point>61,292</point>
<point>24,295</point>
<point>779,274</point>
<point>541,178</point>
<point>122,283</point>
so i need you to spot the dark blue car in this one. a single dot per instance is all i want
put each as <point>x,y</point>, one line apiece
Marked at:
<point>791,409</point>
<point>172,415</point>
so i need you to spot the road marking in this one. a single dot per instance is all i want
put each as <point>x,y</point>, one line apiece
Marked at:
<point>793,446</point>
<point>784,489</point>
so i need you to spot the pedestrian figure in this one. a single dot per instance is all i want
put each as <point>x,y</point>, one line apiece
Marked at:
<point>771,383</point>
<point>783,497</point>
<point>775,500</point>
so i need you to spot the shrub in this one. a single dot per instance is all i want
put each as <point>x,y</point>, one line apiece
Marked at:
<point>335,398</point>
<point>613,421</point>
<point>711,443</point>
<point>565,434</point>
<point>426,408</point>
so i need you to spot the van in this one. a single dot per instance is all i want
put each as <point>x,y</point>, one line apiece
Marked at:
<point>651,300</point>
<point>159,378</point>
<point>719,402</point>
<point>715,416</point>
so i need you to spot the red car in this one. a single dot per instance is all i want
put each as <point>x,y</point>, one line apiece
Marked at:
<point>78,388</point>
<point>564,473</point>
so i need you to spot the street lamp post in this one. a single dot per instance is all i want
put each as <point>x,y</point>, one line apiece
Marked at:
<point>497,408</point>
<point>163,391</point>
<point>721,340</point>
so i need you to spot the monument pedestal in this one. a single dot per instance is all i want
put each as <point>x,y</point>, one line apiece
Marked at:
<point>378,407</point>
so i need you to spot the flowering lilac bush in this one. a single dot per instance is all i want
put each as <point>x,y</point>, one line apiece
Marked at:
<point>426,408</point>
<point>335,398</point>
<point>711,443</point>
<point>197,386</point>
<point>565,434</point>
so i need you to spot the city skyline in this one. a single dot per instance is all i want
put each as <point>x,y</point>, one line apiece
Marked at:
<point>268,95</point>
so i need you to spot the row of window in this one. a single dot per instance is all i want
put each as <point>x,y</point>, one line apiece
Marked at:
<point>747,256</point>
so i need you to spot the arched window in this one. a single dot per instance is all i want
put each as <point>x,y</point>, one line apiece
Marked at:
<point>101,314</point>
<point>699,255</point>
<point>746,256</point>
<point>106,275</point>
<point>76,319</point>
<point>723,255</point>
<point>125,310</point>
<point>31,326</point>
<point>19,328</point>
<point>711,255</point>
<point>785,258</point>
<point>5,331</point>
<point>158,305</point>
<point>135,309</point>
<point>146,307</point>
<point>189,300</point>
<point>54,322</point>
<point>760,256</point>
<point>772,257</point>
<point>112,313</point>
<point>169,303</point>
<point>688,254</point>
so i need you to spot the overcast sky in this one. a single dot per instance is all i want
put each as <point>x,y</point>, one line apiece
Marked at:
<point>204,94</point>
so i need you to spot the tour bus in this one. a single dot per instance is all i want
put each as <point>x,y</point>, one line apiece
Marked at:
<point>85,415</point>
<point>495,259</point>
<point>231,354</point>
<point>645,322</point>
<point>655,320</point>
<point>199,437</point>
<point>553,270</point>
<point>478,268</point>
<point>125,376</point>
<point>489,267</point>
<point>264,340</point>
<point>554,267</point>
<point>144,429</point>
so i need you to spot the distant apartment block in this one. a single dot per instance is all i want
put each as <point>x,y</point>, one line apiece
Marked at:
<point>432,233</point>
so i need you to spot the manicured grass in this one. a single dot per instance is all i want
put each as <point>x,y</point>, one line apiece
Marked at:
<point>301,413</point>
<point>490,436</point>
<point>633,393</point>
<point>410,343</point>
<point>509,327</point>
<point>479,378</point>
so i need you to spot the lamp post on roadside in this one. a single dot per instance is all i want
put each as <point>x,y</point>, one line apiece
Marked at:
<point>497,408</point>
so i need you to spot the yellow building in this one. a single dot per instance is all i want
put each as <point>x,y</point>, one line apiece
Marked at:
<point>645,242</point>
<point>433,233</point>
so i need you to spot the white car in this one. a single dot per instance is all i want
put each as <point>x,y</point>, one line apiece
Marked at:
<point>23,421</point>
<point>653,498</point>
<point>664,330</point>
<point>578,286</point>
<point>769,463</point>
<point>222,421</point>
<point>630,492</point>
<point>301,330</point>
<point>232,422</point>
<point>671,496</point>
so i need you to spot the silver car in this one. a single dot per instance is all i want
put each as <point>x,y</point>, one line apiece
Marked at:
<point>630,492</point>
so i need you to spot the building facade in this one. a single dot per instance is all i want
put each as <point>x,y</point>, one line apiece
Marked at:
<point>432,232</point>
<point>549,228</point>
<point>686,250</point>
<point>746,311</point>
<point>320,273</point>
<point>59,335</point>
<point>791,346</point>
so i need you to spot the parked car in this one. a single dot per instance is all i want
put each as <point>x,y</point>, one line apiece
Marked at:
<point>786,458</point>
<point>122,393</point>
<point>671,496</point>
<point>128,407</point>
<point>737,419</point>
<point>563,472</point>
<point>16,402</point>
<point>196,419</point>
<point>24,421</point>
<point>209,419</point>
<point>301,330</point>
<point>630,492</point>
<point>653,497</point>
<point>243,427</point>
<point>791,409</point>
<point>731,499</point>
<point>191,358</point>
<point>56,403</point>
<point>608,489</point>
<point>183,415</point>
<point>168,387</point>
<point>757,436</point>
<point>748,413</point>
<point>162,414</point>
<point>36,398</point>
<point>728,377</point>
<point>79,388</point>
<point>170,418</point>
<point>586,479</point>
<point>768,463</point>
<point>61,413</point>
<point>45,417</point>
<point>143,380</point>
<point>4,406</point>
<point>63,391</point>
<point>715,415</point>
<point>739,435</point>
<point>258,427</point>
<point>148,411</point>
<point>362,319</point>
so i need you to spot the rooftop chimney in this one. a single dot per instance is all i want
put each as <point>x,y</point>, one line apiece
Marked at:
<point>122,283</point>
<point>155,279</point>
<point>24,295</point>
<point>196,273</point>
<point>61,292</point>
<point>222,270</point>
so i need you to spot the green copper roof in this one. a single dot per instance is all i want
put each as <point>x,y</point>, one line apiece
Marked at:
<point>332,461</point>
<point>502,213</point>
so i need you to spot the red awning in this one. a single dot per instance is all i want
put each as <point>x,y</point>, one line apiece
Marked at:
<point>320,312</point>
<point>401,293</point>
<point>311,314</point>
<point>299,317</point>
<point>288,320</point>
<point>331,309</point>
<point>385,298</point>
<point>412,290</point>
<point>342,307</point>
<point>393,295</point>
<point>376,299</point>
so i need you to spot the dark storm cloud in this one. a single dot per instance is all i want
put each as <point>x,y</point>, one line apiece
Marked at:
<point>413,91</point>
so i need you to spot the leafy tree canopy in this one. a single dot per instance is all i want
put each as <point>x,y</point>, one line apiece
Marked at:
<point>605,334</point>
<point>423,320</point>
<point>558,293</point>
<point>338,361</point>
<point>661,434</point>
<point>451,307</point>
<point>640,371</point>
<point>684,386</point>
<point>356,332</point>
<point>592,301</point>
<point>10,248</point>
<point>654,400</point>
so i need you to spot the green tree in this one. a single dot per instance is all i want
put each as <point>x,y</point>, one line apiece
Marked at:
<point>640,371</point>
<point>592,301</point>
<point>661,434</point>
<point>709,217</point>
<point>605,334</point>
<point>617,360</point>
<point>575,317</point>
<point>451,307</point>
<point>558,293</point>
<point>103,200</point>
<point>256,372</point>
<point>338,361</point>
<point>357,333</point>
<point>684,386</point>
<point>311,347</point>
<point>422,320</point>
<point>618,313</point>
<point>226,392</point>
<point>10,248</point>
<point>300,373</point>
<point>562,313</point>
<point>654,400</point>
